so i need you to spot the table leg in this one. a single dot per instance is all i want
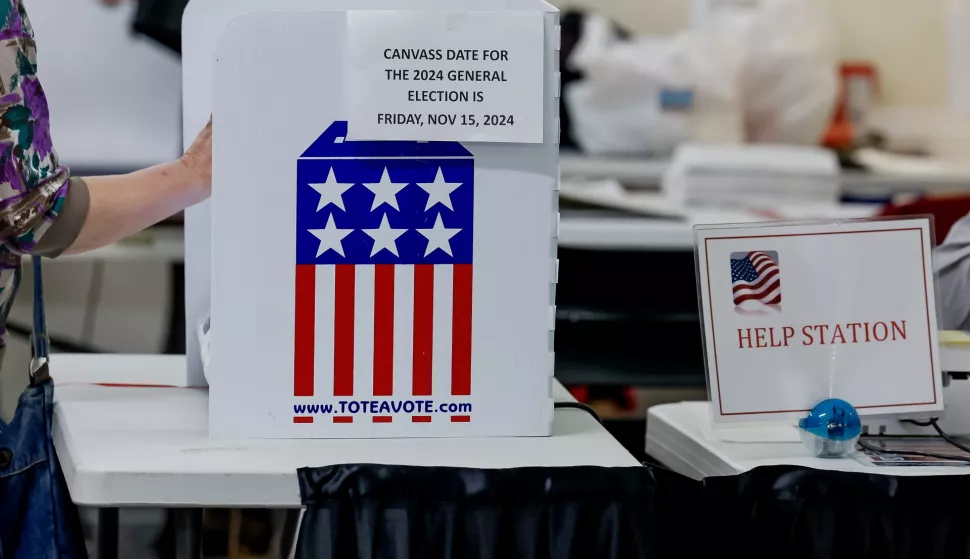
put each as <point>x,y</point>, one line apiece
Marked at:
<point>175,342</point>
<point>188,533</point>
<point>291,524</point>
<point>107,538</point>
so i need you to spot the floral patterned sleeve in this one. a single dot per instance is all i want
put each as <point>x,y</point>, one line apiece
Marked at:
<point>34,186</point>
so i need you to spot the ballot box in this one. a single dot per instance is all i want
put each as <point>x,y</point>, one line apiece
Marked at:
<point>382,233</point>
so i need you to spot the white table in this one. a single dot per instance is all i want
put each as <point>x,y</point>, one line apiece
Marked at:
<point>599,230</point>
<point>123,447</point>
<point>642,172</point>
<point>676,437</point>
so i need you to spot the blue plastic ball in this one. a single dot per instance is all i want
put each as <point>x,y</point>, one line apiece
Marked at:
<point>831,428</point>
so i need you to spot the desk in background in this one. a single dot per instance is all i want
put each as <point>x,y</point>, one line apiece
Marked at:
<point>635,172</point>
<point>676,438</point>
<point>606,230</point>
<point>627,302</point>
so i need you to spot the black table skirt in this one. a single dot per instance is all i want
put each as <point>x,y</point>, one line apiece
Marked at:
<point>374,511</point>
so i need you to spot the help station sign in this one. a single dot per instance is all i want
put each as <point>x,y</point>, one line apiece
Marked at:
<point>796,313</point>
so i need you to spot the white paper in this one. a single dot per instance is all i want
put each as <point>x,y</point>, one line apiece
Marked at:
<point>445,76</point>
<point>754,432</point>
<point>844,310</point>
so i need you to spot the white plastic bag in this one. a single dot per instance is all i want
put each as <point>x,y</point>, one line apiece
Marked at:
<point>789,77</point>
<point>650,94</point>
<point>204,346</point>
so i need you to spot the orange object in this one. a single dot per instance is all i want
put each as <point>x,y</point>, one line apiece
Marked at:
<point>581,393</point>
<point>858,87</point>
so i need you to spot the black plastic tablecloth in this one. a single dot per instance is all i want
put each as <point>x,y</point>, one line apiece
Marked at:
<point>374,511</point>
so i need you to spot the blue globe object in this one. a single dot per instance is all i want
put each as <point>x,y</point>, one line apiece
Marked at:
<point>831,429</point>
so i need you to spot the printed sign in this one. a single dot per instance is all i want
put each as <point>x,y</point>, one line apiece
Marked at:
<point>796,313</point>
<point>448,76</point>
<point>370,288</point>
<point>383,246</point>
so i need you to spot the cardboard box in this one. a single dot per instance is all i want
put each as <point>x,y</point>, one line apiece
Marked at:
<point>371,289</point>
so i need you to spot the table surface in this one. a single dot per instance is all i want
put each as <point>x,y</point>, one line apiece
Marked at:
<point>648,173</point>
<point>150,446</point>
<point>607,230</point>
<point>677,437</point>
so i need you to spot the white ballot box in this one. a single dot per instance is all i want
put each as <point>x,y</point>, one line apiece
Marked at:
<point>379,253</point>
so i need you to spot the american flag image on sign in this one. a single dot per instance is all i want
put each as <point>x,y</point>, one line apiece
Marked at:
<point>383,299</point>
<point>755,276</point>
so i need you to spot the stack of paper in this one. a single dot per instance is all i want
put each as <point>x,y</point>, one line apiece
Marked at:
<point>752,175</point>
<point>610,194</point>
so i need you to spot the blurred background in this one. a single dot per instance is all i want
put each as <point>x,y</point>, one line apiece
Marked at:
<point>674,112</point>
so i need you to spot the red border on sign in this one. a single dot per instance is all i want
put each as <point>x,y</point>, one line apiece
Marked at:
<point>926,299</point>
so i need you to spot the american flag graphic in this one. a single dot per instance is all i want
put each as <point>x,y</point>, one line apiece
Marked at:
<point>383,268</point>
<point>755,276</point>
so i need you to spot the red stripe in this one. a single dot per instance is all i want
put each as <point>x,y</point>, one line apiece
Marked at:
<point>763,264</point>
<point>383,330</point>
<point>775,301</point>
<point>343,418</point>
<point>738,299</point>
<point>343,331</point>
<point>461,331</point>
<point>461,419</point>
<point>760,258</point>
<point>304,307</point>
<point>423,329</point>
<point>765,269</point>
<point>302,420</point>
<point>382,419</point>
<point>761,281</point>
<point>420,419</point>
<point>761,293</point>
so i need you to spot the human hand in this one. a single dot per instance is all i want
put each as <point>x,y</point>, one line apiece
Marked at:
<point>198,158</point>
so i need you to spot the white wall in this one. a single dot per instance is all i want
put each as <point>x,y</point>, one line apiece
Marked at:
<point>114,98</point>
<point>905,38</point>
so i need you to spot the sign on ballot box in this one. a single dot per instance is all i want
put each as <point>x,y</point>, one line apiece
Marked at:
<point>797,313</point>
<point>470,69</point>
<point>393,284</point>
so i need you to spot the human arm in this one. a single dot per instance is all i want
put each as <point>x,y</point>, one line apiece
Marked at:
<point>43,210</point>
<point>121,205</point>
<point>951,260</point>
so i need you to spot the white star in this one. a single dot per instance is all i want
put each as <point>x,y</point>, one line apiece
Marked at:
<point>439,191</point>
<point>385,192</point>
<point>331,192</point>
<point>330,237</point>
<point>438,237</point>
<point>384,237</point>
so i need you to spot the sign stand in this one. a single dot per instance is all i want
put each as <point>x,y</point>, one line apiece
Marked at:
<point>798,313</point>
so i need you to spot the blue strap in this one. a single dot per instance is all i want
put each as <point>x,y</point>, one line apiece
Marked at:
<point>40,341</point>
